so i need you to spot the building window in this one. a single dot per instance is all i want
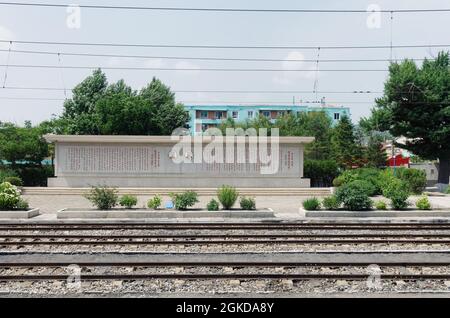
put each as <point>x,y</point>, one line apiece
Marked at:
<point>219,115</point>
<point>250,114</point>
<point>235,115</point>
<point>266,114</point>
<point>203,114</point>
<point>337,116</point>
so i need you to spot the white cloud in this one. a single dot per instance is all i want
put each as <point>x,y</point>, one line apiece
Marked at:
<point>187,65</point>
<point>289,77</point>
<point>5,34</point>
<point>154,63</point>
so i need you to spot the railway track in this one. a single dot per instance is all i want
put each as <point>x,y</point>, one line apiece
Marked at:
<point>222,242</point>
<point>223,226</point>
<point>222,236</point>
<point>223,276</point>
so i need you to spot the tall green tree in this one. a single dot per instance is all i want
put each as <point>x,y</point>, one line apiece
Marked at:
<point>416,105</point>
<point>316,124</point>
<point>167,115</point>
<point>19,145</point>
<point>79,111</point>
<point>344,145</point>
<point>116,109</point>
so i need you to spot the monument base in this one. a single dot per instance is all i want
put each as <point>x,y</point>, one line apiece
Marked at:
<point>180,182</point>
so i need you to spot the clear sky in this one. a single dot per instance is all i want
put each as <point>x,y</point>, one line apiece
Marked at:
<point>213,28</point>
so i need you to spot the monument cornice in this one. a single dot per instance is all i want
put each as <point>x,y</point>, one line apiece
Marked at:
<point>164,139</point>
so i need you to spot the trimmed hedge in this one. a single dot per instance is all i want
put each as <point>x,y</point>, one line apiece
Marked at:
<point>321,172</point>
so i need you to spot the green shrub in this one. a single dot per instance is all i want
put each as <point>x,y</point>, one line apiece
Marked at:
<point>311,204</point>
<point>423,203</point>
<point>6,173</point>
<point>331,203</point>
<point>9,196</point>
<point>227,196</point>
<point>321,172</point>
<point>380,205</point>
<point>247,203</point>
<point>354,196</point>
<point>368,187</point>
<point>448,190</point>
<point>184,200</point>
<point>15,181</point>
<point>34,175</point>
<point>128,201</point>
<point>213,205</point>
<point>368,175</point>
<point>155,202</point>
<point>398,192</point>
<point>103,198</point>
<point>22,205</point>
<point>415,179</point>
<point>337,182</point>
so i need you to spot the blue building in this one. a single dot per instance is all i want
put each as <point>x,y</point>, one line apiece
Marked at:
<point>203,117</point>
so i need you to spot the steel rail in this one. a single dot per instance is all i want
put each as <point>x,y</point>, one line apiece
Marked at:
<point>203,236</point>
<point>224,242</point>
<point>222,264</point>
<point>91,277</point>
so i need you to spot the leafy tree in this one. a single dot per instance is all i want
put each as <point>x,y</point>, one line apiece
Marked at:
<point>79,111</point>
<point>166,113</point>
<point>117,109</point>
<point>344,144</point>
<point>316,124</point>
<point>416,105</point>
<point>375,155</point>
<point>21,144</point>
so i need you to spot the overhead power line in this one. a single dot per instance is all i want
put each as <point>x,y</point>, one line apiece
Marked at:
<point>186,69</point>
<point>51,5</point>
<point>191,46</point>
<point>65,53</point>
<point>218,91</point>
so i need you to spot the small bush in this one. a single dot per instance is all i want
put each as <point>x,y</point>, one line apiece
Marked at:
<point>354,196</point>
<point>423,203</point>
<point>321,172</point>
<point>337,182</point>
<point>398,192</point>
<point>103,198</point>
<point>448,190</point>
<point>415,179</point>
<point>331,203</point>
<point>15,181</point>
<point>227,196</point>
<point>213,205</point>
<point>22,205</point>
<point>368,187</point>
<point>128,201</point>
<point>369,175</point>
<point>247,203</point>
<point>184,200</point>
<point>380,205</point>
<point>9,196</point>
<point>155,202</point>
<point>311,204</point>
<point>6,173</point>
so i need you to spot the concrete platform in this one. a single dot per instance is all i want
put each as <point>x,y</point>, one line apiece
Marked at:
<point>379,214</point>
<point>19,214</point>
<point>152,214</point>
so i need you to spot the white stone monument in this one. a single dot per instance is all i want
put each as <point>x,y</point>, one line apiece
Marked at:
<point>164,162</point>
